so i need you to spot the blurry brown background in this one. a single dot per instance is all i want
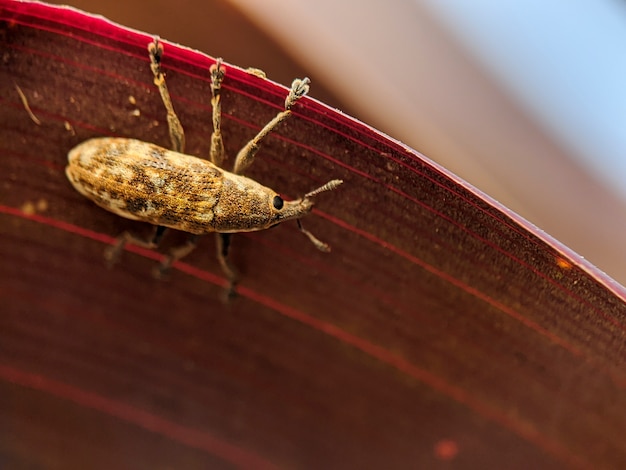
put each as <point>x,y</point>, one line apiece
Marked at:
<point>443,103</point>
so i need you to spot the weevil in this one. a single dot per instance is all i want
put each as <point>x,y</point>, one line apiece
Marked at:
<point>169,189</point>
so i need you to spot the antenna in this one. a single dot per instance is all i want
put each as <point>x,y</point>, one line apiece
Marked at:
<point>320,245</point>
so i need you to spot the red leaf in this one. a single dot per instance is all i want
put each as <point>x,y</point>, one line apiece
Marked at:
<point>439,316</point>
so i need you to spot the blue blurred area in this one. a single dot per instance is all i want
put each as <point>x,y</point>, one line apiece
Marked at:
<point>563,61</point>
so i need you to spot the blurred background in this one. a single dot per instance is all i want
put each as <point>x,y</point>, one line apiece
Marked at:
<point>525,99</point>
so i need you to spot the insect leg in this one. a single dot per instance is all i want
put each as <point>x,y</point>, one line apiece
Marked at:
<point>223,247</point>
<point>175,254</point>
<point>245,157</point>
<point>217,144</point>
<point>177,134</point>
<point>113,252</point>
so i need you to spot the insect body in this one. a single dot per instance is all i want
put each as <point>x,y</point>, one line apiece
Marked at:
<point>142,181</point>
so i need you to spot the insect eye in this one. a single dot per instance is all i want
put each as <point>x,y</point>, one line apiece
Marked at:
<point>278,202</point>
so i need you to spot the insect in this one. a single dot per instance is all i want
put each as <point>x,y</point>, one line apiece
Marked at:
<point>168,189</point>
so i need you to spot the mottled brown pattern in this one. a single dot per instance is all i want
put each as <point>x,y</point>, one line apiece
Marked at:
<point>143,181</point>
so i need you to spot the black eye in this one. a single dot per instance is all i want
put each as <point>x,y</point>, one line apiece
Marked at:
<point>278,202</point>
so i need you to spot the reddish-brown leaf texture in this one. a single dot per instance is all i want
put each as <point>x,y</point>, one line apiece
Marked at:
<point>442,330</point>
